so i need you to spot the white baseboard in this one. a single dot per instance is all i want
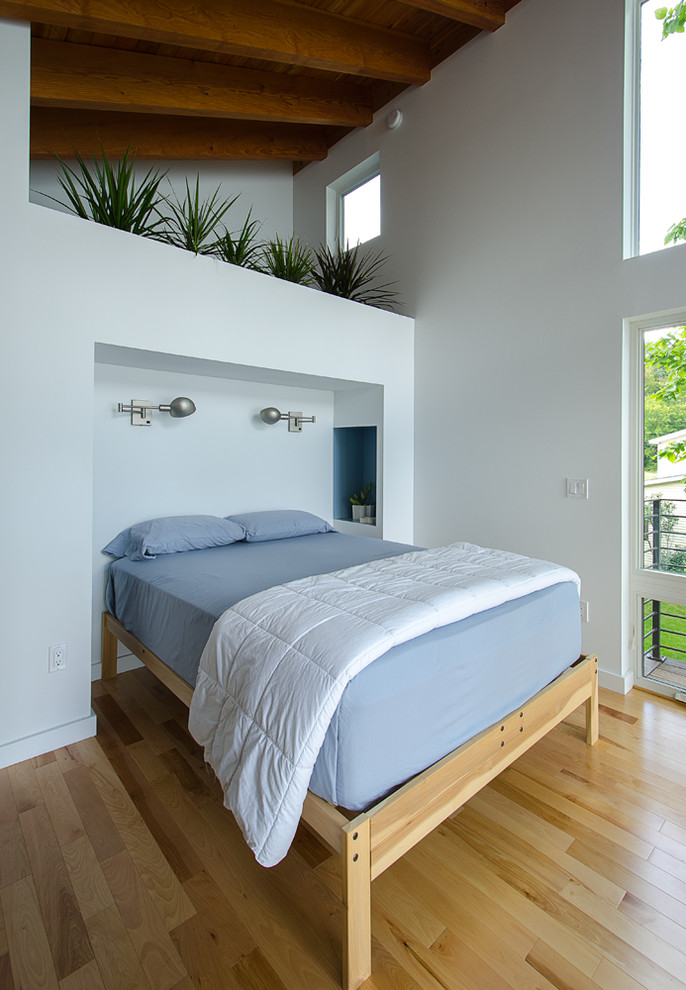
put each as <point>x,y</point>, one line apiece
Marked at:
<point>126,662</point>
<point>49,739</point>
<point>619,683</point>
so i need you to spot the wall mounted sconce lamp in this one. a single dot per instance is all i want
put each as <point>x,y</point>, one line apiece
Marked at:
<point>141,409</point>
<point>272,415</point>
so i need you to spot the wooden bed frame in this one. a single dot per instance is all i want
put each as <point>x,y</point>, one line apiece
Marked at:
<point>376,838</point>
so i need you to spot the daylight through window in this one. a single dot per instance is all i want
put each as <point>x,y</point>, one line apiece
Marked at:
<point>361,213</point>
<point>661,66</point>
<point>354,205</point>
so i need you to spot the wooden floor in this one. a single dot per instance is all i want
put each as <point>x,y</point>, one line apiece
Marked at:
<point>120,869</point>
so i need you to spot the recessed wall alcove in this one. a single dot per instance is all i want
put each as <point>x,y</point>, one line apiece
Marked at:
<point>223,459</point>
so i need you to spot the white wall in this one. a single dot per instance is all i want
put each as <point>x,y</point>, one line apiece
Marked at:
<point>221,460</point>
<point>502,210</point>
<point>66,285</point>
<point>266,187</point>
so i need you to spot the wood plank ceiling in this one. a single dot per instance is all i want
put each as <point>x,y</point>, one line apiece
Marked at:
<point>229,79</point>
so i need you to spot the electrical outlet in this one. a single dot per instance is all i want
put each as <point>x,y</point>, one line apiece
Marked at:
<point>584,611</point>
<point>57,657</point>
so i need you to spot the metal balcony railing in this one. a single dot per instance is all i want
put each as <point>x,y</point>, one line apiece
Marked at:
<point>664,534</point>
<point>664,543</point>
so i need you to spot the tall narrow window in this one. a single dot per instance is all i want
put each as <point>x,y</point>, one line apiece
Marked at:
<point>658,574</point>
<point>656,70</point>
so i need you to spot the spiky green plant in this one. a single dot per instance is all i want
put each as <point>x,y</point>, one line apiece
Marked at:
<point>109,193</point>
<point>193,223</point>
<point>352,275</point>
<point>290,260</point>
<point>363,497</point>
<point>242,247</point>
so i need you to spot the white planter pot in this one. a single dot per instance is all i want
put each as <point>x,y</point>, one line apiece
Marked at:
<point>363,513</point>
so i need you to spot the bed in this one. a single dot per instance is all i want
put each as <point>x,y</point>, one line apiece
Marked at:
<point>381,781</point>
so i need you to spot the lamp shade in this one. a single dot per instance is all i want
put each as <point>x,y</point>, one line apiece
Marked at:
<point>270,415</point>
<point>181,406</point>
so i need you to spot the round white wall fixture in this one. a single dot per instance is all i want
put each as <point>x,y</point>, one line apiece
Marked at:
<point>394,119</point>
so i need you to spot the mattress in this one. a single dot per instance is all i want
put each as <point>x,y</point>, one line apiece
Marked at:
<point>404,711</point>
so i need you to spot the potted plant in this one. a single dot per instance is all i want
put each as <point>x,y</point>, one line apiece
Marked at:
<point>362,505</point>
<point>347,273</point>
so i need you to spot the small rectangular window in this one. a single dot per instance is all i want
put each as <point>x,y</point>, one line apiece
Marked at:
<point>354,205</point>
<point>362,213</point>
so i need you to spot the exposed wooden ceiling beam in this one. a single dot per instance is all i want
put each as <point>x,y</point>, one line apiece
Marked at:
<point>486,14</point>
<point>86,77</point>
<point>58,132</point>
<point>270,30</point>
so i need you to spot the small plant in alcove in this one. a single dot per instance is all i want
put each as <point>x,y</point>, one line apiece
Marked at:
<point>193,223</point>
<point>347,273</point>
<point>290,260</point>
<point>361,504</point>
<point>110,194</point>
<point>242,247</point>
<point>364,497</point>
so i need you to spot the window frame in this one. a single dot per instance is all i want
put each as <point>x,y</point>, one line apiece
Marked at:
<point>632,128</point>
<point>336,192</point>
<point>637,581</point>
<point>632,233</point>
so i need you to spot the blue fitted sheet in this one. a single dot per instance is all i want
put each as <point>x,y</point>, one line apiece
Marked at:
<point>400,714</point>
<point>171,602</point>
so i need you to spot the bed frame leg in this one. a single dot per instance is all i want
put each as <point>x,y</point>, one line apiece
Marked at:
<point>357,894</point>
<point>592,722</point>
<point>109,651</point>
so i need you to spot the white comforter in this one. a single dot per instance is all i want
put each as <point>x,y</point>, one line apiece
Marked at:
<point>276,664</point>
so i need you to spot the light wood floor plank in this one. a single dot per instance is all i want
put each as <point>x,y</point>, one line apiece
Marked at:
<point>68,758</point>
<point>444,854</point>
<point>505,816</point>
<point>86,978</point>
<point>66,932</point>
<point>630,946</point>
<point>483,967</point>
<point>676,832</point>
<point>564,813</point>
<point>159,959</point>
<point>654,921</point>
<point>133,773</point>
<point>6,973</point>
<point>637,876</point>
<point>100,829</point>
<point>205,963</point>
<point>157,875</point>
<point>90,886</point>
<point>29,950</point>
<point>253,972</point>
<point>25,785</point>
<point>619,813</point>
<point>4,946</point>
<point>128,695</point>
<point>568,872</point>
<point>558,970</point>
<point>119,966</point>
<point>611,977</point>
<point>14,861</point>
<point>229,935</point>
<point>668,864</point>
<point>65,818</point>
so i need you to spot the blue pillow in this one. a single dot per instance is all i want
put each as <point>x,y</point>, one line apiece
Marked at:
<point>279,524</point>
<point>173,534</point>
